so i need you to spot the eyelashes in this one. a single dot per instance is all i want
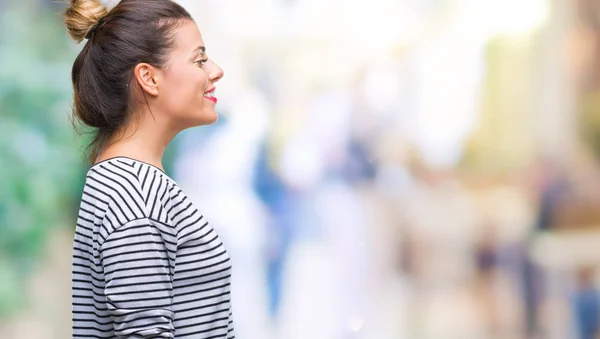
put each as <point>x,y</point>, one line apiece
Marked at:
<point>200,63</point>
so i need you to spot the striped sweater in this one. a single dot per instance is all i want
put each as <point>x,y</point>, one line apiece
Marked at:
<point>146,263</point>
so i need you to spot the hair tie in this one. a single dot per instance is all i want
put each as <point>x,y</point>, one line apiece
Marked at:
<point>94,28</point>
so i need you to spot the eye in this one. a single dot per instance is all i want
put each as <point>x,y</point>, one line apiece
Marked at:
<point>200,63</point>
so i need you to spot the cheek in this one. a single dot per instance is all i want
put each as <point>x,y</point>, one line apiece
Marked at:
<point>186,89</point>
<point>202,82</point>
<point>193,84</point>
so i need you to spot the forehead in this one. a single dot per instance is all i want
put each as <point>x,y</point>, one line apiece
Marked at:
<point>187,37</point>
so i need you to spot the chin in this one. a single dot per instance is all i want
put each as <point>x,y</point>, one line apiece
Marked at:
<point>212,117</point>
<point>213,120</point>
<point>207,118</point>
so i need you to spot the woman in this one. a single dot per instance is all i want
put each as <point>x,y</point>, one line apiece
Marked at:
<point>146,263</point>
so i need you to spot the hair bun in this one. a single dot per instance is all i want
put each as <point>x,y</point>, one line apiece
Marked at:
<point>81,16</point>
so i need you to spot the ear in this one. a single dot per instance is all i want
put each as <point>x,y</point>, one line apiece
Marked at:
<point>146,76</point>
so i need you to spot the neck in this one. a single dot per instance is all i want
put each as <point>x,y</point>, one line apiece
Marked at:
<point>145,140</point>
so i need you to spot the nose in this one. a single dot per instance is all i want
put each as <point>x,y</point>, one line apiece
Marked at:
<point>216,72</point>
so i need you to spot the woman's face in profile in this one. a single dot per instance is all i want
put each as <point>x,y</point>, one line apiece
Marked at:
<point>187,88</point>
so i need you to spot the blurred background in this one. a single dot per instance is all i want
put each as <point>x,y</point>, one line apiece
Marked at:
<point>381,169</point>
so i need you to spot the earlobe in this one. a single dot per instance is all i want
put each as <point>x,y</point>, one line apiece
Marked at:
<point>145,76</point>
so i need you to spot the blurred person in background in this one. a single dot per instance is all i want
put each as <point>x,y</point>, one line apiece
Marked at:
<point>146,263</point>
<point>586,304</point>
<point>553,187</point>
<point>219,176</point>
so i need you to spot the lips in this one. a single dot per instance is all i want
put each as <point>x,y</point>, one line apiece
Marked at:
<point>210,95</point>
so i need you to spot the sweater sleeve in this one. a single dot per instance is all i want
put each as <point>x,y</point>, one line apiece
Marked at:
<point>137,264</point>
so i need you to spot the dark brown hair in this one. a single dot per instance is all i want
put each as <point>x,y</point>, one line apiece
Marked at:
<point>134,31</point>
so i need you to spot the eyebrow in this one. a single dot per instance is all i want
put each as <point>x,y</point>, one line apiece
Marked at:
<point>199,49</point>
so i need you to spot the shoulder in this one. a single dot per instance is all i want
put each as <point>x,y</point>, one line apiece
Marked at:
<point>128,188</point>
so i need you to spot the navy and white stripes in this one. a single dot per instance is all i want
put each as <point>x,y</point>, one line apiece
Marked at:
<point>146,263</point>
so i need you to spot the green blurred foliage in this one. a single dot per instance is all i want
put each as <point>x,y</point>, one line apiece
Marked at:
<point>590,122</point>
<point>42,161</point>
<point>41,167</point>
